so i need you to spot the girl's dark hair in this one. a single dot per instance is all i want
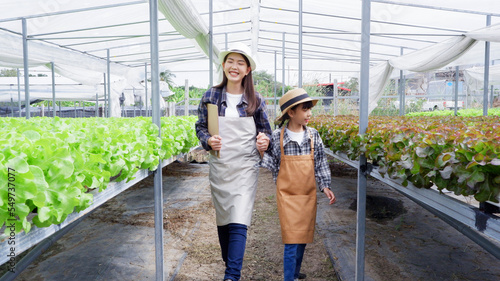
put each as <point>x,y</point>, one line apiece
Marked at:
<point>305,105</point>
<point>249,91</point>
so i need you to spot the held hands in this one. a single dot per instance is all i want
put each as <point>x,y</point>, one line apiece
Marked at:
<point>330,195</point>
<point>215,142</point>
<point>262,142</point>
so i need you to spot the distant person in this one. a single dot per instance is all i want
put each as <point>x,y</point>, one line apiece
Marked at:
<point>244,132</point>
<point>297,161</point>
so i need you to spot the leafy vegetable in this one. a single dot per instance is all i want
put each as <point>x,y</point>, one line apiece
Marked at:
<point>460,154</point>
<point>50,164</point>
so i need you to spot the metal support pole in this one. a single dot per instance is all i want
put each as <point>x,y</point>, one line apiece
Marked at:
<point>155,102</point>
<point>26,71</point>
<point>491,96</point>
<point>225,40</point>
<point>486,70</point>
<point>18,92</point>
<point>401,91</point>
<point>96,105</point>
<point>211,41</point>
<point>457,68</point>
<point>104,109</point>
<point>146,87</point>
<point>275,90</point>
<point>60,109</point>
<point>135,105</point>
<point>109,82</point>
<point>186,98</point>
<point>335,93</point>
<point>283,65</point>
<point>11,107</point>
<point>300,44</point>
<point>363,124</point>
<point>53,90</point>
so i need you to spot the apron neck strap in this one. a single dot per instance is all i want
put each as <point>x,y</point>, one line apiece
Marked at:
<point>281,141</point>
<point>312,142</point>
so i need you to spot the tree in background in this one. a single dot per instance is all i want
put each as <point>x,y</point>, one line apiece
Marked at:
<point>352,84</point>
<point>8,72</point>
<point>264,84</point>
<point>167,77</point>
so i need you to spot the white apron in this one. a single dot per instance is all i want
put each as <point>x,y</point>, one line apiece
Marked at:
<point>233,176</point>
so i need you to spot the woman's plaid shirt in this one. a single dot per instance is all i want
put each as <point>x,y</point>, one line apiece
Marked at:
<point>213,95</point>
<point>272,157</point>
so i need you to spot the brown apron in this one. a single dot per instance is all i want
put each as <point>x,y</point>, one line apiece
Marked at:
<point>296,196</point>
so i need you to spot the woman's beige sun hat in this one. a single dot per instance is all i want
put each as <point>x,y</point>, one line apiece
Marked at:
<point>239,48</point>
<point>292,98</point>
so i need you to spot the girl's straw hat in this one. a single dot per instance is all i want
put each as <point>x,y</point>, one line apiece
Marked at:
<point>239,48</point>
<point>292,98</point>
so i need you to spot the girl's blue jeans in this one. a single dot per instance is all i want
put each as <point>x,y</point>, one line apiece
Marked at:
<point>292,260</point>
<point>232,240</point>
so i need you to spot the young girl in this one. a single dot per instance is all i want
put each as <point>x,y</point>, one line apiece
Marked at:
<point>244,132</point>
<point>297,161</point>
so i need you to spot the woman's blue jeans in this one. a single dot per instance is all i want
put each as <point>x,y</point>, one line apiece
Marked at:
<point>232,240</point>
<point>292,260</point>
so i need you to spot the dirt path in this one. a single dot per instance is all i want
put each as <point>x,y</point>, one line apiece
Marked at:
<point>264,251</point>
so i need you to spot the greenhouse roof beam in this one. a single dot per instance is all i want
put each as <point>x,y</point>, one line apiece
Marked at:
<point>73,11</point>
<point>373,21</point>
<point>130,45</point>
<point>225,11</point>
<point>233,23</point>
<point>94,28</point>
<point>232,32</point>
<point>296,51</point>
<point>161,51</point>
<point>341,32</point>
<point>146,59</point>
<point>327,47</point>
<point>437,8</point>
<point>339,39</point>
<point>165,61</point>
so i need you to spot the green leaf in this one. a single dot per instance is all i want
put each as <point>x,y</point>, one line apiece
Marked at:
<point>19,164</point>
<point>43,214</point>
<point>446,172</point>
<point>32,135</point>
<point>475,178</point>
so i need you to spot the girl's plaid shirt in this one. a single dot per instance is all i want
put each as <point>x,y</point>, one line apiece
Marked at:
<point>272,157</point>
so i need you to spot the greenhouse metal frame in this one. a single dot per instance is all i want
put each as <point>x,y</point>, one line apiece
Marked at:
<point>125,54</point>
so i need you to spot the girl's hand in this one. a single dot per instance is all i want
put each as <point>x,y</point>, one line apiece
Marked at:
<point>262,142</point>
<point>330,195</point>
<point>215,142</point>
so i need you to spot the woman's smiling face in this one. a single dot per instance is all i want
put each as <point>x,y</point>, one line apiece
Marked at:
<point>235,67</point>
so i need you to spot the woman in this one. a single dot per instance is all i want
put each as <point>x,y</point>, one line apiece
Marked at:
<point>244,132</point>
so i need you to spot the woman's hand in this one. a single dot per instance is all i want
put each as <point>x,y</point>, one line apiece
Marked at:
<point>215,142</point>
<point>330,195</point>
<point>262,142</point>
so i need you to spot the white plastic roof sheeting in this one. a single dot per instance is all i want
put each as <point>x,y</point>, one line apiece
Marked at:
<point>331,35</point>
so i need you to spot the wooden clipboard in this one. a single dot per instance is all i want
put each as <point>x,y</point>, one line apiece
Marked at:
<point>213,124</point>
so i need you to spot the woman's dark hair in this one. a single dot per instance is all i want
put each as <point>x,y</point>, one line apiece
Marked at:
<point>249,91</point>
<point>305,105</point>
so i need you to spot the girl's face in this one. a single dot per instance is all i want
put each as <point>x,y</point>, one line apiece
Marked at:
<point>300,115</point>
<point>235,68</point>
